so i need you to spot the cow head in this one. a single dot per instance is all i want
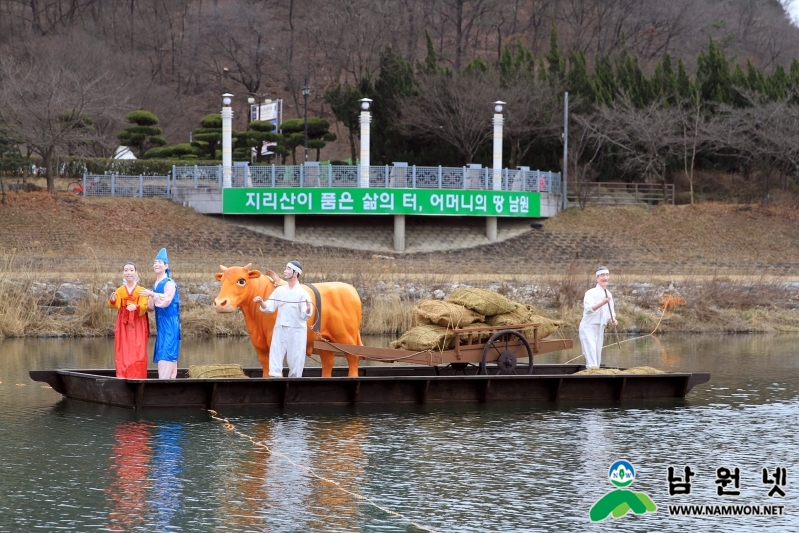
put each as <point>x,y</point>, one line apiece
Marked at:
<point>239,286</point>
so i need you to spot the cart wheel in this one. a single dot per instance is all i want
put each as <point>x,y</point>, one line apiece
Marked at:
<point>507,356</point>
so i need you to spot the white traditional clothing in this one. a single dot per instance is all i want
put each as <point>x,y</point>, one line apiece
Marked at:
<point>290,336</point>
<point>592,326</point>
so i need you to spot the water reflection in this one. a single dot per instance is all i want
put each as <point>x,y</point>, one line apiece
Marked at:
<point>166,470</point>
<point>243,484</point>
<point>128,469</point>
<point>339,457</point>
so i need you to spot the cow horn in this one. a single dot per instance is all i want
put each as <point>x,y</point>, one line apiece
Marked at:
<point>223,267</point>
<point>248,266</point>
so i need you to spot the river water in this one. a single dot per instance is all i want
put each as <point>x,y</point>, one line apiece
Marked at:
<point>73,466</point>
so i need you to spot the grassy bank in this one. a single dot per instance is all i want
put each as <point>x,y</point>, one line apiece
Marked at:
<point>745,303</point>
<point>735,267</point>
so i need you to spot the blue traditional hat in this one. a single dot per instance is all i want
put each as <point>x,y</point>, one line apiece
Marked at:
<point>162,257</point>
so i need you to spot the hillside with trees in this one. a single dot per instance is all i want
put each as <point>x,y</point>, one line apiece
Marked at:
<point>700,93</point>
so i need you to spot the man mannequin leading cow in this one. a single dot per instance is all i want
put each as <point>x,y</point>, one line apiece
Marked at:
<point>336,309</point>
<point>290,335</point>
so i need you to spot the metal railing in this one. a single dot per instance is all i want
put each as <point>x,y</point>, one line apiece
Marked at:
<point>388,176</point>
<point>122,185</point>
<point>619,193</point>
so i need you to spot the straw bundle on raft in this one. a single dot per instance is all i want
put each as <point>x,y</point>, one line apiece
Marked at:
<point>633,370</point>
<point>467,308</point>
<point>216,371</point>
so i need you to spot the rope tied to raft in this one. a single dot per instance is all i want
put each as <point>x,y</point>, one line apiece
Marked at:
<point>230,427</point>
<point>668,301</point>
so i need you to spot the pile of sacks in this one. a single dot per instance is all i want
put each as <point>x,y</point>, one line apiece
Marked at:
<point>469,308</point>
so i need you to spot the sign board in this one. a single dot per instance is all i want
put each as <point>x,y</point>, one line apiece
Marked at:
<point>268,112</point>
<point>374,201</point>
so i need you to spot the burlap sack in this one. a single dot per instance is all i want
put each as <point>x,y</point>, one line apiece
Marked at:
<point>546,327</point>
<point>482,301</point>
<point>478,337</point>
<point>426,337</point>
<point>445,314</point>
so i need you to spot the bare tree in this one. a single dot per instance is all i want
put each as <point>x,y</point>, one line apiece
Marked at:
<point>51,97</point>
<point>642,138</point>
<point>765,133</point>
<point>453,109</point>
<point>534,110</point>
<point>583,151</point>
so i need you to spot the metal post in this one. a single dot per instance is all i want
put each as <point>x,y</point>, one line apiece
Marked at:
<point>227,140</point>
<point>306,90</point>
<point>565,147</point>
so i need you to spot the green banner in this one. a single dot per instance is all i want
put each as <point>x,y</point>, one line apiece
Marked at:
<point>373,201</point>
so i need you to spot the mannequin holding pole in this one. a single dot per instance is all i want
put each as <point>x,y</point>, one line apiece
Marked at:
<point>598,310</point>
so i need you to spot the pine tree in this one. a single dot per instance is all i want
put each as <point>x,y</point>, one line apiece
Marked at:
<point>604,81</point>
<point>683,82</point>
<point>430,64</point>
<point>754,77</point>
<point>777,84</point>
<point>143,134</point>
<point>664,83</point>
<point>554,60</point>
<point>578,80</point>
<point>394,82</point>
<point>713,75</point>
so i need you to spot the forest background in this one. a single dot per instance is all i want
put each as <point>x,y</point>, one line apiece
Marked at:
<point>702,93</point>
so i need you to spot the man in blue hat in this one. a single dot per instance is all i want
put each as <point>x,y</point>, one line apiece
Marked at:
<point>165,301</point>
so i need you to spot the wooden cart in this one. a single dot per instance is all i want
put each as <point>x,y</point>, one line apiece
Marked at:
<point>504,348</point>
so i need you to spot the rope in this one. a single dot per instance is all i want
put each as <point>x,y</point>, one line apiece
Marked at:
<point>667,301</point>
<point>313,313</point>
<point>230,427</point>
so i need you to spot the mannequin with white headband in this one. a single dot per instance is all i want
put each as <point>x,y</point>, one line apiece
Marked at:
<point>598,310</point>
<point>290,335</point>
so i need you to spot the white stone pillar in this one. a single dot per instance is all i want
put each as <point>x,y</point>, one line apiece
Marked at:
<point>498,122</point>
<point>289,227</point>
<point>227,140</point>
<point>491,228</point>
<point>399,233</point>
<point>496,182</point>
<point>366,119</point>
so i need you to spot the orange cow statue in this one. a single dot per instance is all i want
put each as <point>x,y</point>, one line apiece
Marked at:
<point>336,316</point>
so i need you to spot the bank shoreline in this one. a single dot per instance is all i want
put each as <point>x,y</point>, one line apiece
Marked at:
<point>733,265</point>
<point>78,308</point>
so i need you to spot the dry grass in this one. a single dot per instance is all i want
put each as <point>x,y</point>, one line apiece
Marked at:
<point>61,238</point>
